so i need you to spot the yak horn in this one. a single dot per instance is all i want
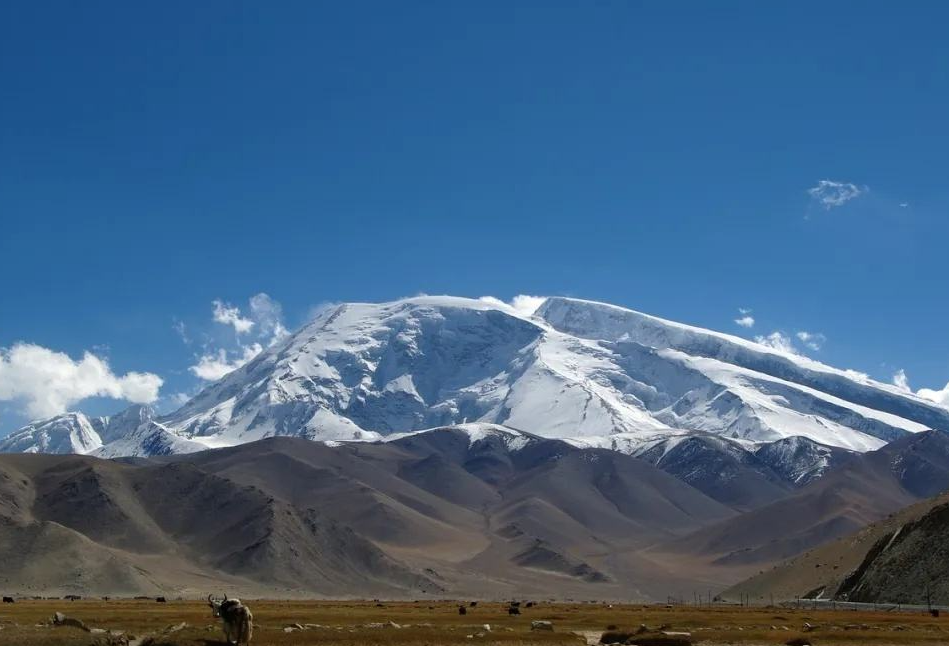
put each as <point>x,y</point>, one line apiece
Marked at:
<point>225,596</point>
<point>209,598</point>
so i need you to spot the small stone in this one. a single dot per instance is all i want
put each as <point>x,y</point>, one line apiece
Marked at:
<point>541,625</point>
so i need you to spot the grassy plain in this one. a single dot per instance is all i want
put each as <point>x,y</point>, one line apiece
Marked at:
<point>426,623</point>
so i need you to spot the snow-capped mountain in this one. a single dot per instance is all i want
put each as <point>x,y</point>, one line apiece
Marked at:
<point>593,373</point>
<point>68,433</point>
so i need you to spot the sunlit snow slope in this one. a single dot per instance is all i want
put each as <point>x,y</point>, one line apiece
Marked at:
<point>599,374</point>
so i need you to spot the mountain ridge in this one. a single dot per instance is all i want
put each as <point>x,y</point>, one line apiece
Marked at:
<point>584,371</point>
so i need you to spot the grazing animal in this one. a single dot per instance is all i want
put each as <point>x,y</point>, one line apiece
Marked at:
<point>513,610</point>
<point>160,600</point>
<point>462,610</point>
<point>237,620</point>
<point>8,600</point>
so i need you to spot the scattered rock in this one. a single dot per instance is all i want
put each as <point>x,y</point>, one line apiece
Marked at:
<point>487,627</point>
<point>112,638</point>
<point>175,627</point>
<point>59,619</point>
<point>541,625</point>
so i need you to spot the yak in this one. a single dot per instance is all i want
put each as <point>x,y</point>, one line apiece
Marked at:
<point>236,618</point>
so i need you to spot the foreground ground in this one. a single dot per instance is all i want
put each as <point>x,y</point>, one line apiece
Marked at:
<point>423,623</point>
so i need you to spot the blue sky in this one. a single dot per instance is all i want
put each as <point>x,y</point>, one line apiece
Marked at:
<point>658,155</point>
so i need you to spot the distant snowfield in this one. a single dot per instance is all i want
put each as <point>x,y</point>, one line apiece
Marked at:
<point>591,373</point>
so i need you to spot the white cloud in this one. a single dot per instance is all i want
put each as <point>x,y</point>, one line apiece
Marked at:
<point>265,318</point>
<point>181,331</point>
<point>831,194</point>
<point>901,381</point>
<point>777,341</point>
<point>526,304</point>
<point>49,382</point>
<point>941,397</point>
<point>214,365</point>
<point>226,314</point>
<point>268,316</point>
<point>522,304</point>
<point>938,396</point>
<point>746,319</point>
<point>813,340</point>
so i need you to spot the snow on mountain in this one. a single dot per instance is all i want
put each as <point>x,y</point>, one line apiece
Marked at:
<point>512,439</point>
<point>595,374</point>
<point>68,433</point>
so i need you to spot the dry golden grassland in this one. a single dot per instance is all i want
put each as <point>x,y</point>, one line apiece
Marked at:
<point>424,623</point>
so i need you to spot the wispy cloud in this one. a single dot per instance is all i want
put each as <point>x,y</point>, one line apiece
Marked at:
<point>813,340</point>
<point>267,314</point>
<point>937,396</point>
<point>264,319</point>
<point>901,381</point>
<point>940,397</point>
<point>746,319</point>
<point>831,194</point>
<point>527,304</point>
<point>777,341</point>
<point>215,365</point>
<point>48,382</point>
<point>227,314</point>
<point>523,304</point>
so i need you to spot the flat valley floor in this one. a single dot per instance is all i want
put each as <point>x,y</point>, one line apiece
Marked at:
<point>426,623</point>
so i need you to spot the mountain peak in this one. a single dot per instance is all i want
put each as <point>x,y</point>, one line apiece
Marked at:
<point>594,373</point>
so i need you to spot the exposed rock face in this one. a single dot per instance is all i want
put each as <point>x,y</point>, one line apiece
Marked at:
<point>908,565</point>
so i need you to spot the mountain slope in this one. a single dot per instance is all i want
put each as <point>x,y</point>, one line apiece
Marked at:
<point>862,490</point>
<point>476,510</point>
<point>596,373</point>
<point>823,570</point>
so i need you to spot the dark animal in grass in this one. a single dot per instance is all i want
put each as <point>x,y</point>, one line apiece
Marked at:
<point>473,604</point>
<point>8,600</point>
<point>462,610</point>
<point>513,610</point>
<point>237,620</point>
<point>160,600</point>
<point>798,641</point>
